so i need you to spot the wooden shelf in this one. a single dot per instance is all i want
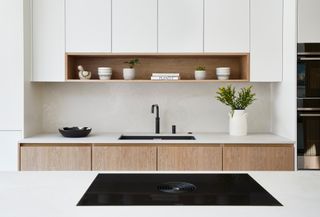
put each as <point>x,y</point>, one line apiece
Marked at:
<point>154,81</point>
<point>184,64</point>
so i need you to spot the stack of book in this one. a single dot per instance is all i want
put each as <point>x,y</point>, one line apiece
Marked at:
<point>165,76</point>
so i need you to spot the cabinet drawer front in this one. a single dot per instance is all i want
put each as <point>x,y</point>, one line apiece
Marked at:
<point>259,157</point>
<point>190,158</point>
<point>55,158</point>
<point>122,157</point>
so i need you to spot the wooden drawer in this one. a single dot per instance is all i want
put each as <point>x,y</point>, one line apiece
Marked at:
<point>258,157</point>
<point>39,157</point>
<point>190,157</point>
<point>124,157</point>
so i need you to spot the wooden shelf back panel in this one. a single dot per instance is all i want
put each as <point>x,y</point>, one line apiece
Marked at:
<point>183,64</point>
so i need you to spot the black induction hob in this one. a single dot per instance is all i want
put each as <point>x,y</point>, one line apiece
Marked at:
<point>176,189</point>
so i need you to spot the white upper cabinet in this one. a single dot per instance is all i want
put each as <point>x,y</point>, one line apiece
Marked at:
<point>266,40</point>
<point>180,25</point>
<point>227,26</point>
<point>88,25</point>
<point>48,40</point>
<point>134,26</point>
<point>308,21</point>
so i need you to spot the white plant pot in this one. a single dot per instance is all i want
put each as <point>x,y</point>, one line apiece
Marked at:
<point>200,75</point>
<point>238,123</point>
<point>129,74</point>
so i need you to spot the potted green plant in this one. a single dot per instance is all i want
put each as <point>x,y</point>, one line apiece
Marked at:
<point>129,72</point>
<point>238,101</point>
<point>200,73</point>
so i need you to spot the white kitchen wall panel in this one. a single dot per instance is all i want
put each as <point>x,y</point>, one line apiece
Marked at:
<point>88,25</point>
<point>11,58</point>
<point>134,26</point>
<point>308,21</point>
<point>180,25</point>
<point>48,24</point>
<point>266,40</point>
<point>9,150</point>
<point>227,25</point>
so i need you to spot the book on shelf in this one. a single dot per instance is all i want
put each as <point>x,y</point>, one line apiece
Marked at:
<point>165,78</point>
<point>169,74</point>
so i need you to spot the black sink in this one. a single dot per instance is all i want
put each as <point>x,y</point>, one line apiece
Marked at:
<point>156,137</point>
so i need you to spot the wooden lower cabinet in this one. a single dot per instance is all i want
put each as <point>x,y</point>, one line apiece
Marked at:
<point>124,157</point>
<point>190,157</point>
<point>55,157</point>
<point>258,157</point>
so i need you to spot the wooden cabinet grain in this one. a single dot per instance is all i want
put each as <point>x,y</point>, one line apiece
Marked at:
<point>258,157</point>
<point>190,157</point>
<point>55,157</point>
<point>124,157</point>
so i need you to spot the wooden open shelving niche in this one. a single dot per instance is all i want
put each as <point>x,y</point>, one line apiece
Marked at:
<point>184,64</point>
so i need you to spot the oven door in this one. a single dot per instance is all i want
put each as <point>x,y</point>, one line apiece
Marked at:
<point>308,76</point>
<point>309,139</point>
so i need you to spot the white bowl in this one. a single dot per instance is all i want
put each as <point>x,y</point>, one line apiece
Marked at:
<point>104,70</point>
<point>105,77</point>
<point>223,73</point>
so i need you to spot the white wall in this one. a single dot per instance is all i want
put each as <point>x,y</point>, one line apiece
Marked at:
<point>284,94</point>
<point>11,82</point>
<point>127,107</point>
<point>32,91</point>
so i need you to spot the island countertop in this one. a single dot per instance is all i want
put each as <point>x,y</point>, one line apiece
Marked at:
<point>55,194</point>
<point>201,138</point>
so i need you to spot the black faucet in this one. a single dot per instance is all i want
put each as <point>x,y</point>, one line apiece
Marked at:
<point>157,117</point>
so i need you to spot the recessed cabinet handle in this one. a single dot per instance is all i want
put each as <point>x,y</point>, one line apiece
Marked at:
<point>310,58</point>
<point>310,115</point>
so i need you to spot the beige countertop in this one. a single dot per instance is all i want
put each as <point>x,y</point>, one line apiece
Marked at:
<point>201,138</point>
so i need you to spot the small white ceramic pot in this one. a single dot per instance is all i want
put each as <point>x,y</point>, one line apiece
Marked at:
<point>104,73</point>
<point>223,73</point>
<point>238,123</point>
<point>200,74</point>
<point>129,73</point>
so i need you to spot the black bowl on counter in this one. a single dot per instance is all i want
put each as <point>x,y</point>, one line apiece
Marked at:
<point>75,132</point>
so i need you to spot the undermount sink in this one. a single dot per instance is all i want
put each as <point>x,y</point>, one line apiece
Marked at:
<point>156,137</point>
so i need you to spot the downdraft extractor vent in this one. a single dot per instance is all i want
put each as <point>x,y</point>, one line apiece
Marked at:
<point>176,187</point>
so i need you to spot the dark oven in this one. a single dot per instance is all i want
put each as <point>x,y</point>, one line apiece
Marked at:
<point>308,92</point>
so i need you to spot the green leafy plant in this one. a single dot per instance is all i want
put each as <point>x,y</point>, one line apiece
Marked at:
<point>201,68</point>
<point>132,63</point>
<point>237,100</point>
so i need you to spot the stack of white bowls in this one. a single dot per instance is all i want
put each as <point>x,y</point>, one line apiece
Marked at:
<point>104,73</point>
<point>223,73</point>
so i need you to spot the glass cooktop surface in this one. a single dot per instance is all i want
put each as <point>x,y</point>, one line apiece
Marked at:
<point>176,189</point>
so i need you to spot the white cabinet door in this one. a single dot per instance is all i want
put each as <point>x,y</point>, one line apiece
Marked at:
<point>9,150</point>
<point>180,26</point>
<point>266,40</point>
<point>134,26</point>
<point>227,26</point>
<point>88,25</point>
<point>308,21</point>
<point>48,40</point>
<point>11,59</point>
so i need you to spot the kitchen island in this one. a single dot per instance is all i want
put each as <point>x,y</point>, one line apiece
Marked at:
<point>55,194</point>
